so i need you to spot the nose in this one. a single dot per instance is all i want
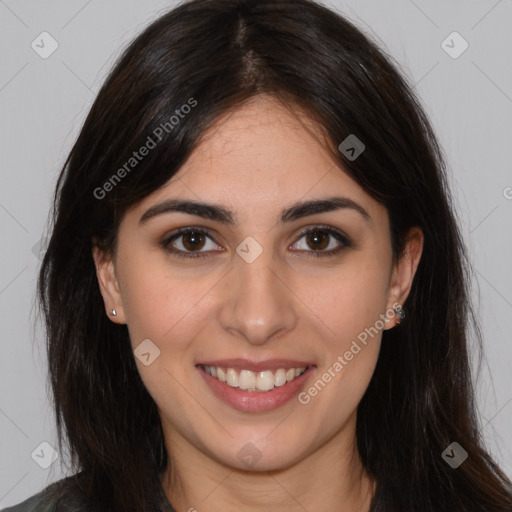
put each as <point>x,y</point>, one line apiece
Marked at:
<point>258,302</point>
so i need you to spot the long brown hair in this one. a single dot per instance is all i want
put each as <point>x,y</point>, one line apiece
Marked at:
<point>221,53</point>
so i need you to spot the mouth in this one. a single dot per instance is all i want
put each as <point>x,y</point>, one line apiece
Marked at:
<point>255,387</point>
<point>254,382</point>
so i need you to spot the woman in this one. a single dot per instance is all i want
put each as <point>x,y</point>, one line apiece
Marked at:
<point>255,290</point>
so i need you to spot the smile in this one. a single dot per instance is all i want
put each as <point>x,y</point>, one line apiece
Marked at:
<point>262,381</point>
<point>255,387</point>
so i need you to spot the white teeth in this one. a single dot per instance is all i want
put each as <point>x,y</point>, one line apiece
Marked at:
<point>280,378</point>
<point>247,380</point>
<point>265,381</point>
<point>254,381</point>
<point>232,378</point>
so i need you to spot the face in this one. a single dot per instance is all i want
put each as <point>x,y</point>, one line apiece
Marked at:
<point>257,331</point>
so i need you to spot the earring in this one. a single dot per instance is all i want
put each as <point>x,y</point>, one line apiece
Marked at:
<point>113,312</point>
<point>400,313</point>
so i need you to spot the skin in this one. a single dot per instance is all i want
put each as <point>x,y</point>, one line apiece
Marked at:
<point>256,161</point>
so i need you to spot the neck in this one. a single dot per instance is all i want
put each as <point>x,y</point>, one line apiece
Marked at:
<point>332,476</point>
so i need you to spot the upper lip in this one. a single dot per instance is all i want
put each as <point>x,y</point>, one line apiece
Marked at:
<point>257,366</point>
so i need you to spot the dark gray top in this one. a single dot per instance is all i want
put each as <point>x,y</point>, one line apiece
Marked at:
<point>52,499</point>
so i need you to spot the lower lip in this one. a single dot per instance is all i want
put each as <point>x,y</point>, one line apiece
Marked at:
<point>254,401</point>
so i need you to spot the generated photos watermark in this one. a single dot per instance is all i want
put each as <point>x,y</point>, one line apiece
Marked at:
<point>342,360</point>
<point>139,155</point>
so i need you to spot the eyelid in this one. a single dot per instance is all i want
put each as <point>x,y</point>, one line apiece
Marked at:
<point>345,241</point>
<point>166,241</point>
<point>338,234</point>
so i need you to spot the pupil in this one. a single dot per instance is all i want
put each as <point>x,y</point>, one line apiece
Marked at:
<point>195,238</point>
<point>318,238</point>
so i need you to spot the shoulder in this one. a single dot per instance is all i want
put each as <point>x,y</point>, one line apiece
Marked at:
<point>60,496</point>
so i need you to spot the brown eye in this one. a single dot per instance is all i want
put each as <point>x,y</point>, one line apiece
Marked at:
<point>190,243</point>
<point>317,240</point>
<point>193,240</point>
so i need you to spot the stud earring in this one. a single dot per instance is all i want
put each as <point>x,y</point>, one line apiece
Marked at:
<point>113,312</point>
<point>400,313</point>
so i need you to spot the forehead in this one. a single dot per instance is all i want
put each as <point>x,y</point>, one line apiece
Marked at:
<point>261,139</point>
<point>258,158</point>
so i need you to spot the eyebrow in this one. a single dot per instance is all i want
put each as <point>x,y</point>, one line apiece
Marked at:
<point>225,216</point>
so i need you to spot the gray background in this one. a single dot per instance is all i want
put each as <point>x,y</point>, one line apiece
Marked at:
<point>43,103</point>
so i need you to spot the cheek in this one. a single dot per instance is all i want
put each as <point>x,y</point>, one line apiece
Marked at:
<point>350,303</point>
<point>165,307</point>
<point>350,299</point>
<point>169,311</point>
<point>153,307</point>
<point>351,306</point>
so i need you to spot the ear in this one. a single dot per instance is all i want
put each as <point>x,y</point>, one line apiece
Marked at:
<point>109,285</point>
<point>403,272</point>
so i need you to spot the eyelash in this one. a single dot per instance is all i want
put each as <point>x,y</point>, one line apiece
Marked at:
<point>338,235</point>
